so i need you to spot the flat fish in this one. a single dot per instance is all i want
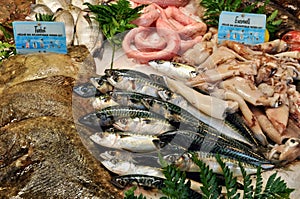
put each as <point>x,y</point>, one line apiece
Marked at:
<point>44,157</point>
<point>78,64</point>
<point>44,97</point>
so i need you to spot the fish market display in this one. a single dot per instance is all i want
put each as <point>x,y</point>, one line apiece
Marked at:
<point>238,101</point>
<point>172,91</point>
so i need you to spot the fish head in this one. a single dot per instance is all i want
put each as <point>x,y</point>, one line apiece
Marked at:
<point>96,120</point>
<point>85,90</point>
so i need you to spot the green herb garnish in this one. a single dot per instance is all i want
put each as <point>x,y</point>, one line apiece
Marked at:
<point>176,186</point>
<point>115,18</point>
<point>6,50</point>
<point>6,33</point>
<point>44,17</point>
<point>129,194</point>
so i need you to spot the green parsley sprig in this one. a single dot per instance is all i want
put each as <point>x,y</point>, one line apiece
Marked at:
<point>176,186</point>
<point>115,18</point>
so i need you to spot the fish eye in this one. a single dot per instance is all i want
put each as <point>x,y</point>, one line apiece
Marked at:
<point>292,142</point>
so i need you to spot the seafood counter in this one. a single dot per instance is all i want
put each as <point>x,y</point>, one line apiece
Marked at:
<point>77,125</point>
<point>163,102</point>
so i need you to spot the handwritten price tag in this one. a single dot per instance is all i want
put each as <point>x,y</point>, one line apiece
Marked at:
<point>245,28</point>
<point>38,36</point>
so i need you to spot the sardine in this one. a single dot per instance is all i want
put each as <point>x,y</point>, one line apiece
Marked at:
<point>135,143</point>
<point>173,69</point>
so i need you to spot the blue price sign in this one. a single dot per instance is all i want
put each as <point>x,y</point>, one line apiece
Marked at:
<point>245,28</point>
<point>38,36</point>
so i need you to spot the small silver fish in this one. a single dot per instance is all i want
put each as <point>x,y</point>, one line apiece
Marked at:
<point>126,141</point>
<point>173,69</point>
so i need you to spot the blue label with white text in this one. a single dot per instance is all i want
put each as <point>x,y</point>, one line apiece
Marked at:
<point>39,37</point>
<point>246,28</point>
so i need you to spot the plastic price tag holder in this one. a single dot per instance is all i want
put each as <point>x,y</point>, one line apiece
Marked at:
<point>246,28</point>
<point>39,37</point>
